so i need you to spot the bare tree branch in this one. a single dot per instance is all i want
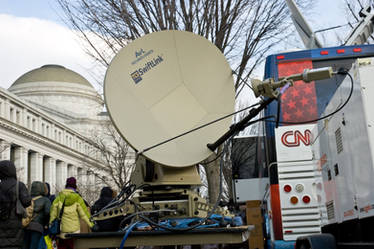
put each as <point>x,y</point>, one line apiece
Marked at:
<point>115,155</point>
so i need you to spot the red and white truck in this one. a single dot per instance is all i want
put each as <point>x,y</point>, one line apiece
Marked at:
<point>321,173</point>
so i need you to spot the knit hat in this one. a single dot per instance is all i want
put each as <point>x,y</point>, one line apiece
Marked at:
<point>7,170</point>
<point>71,182</point>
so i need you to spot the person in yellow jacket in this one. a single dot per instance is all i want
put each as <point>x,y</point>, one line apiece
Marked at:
<point>74,210</point>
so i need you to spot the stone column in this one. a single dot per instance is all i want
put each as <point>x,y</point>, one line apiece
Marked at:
<point>61,174</point>
<point>59,180</point>
<point>71,170</point>
<point>83,176</point>
<point>20,160</point>
<point>36,167</point>
<point>79,175</point>
<point>64,171</point>
<point>39,161</point>
<point>75,171</point>
<point>32,167</point>
<point>53,165</point>
<point>49,165</point>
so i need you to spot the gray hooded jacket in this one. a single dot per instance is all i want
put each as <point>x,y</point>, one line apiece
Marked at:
<point>42,206</point>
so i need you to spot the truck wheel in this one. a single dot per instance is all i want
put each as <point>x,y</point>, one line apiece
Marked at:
<point>305,246</point>
<point>316,241</point>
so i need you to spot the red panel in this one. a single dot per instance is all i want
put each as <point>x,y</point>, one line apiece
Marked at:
<point>299,103</point>
<point>276,211</point>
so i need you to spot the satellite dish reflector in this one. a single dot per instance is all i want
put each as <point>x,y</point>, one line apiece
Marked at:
<point>164,84</point>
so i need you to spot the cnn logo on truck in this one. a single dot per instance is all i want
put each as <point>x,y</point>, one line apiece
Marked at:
<point>293,138</point>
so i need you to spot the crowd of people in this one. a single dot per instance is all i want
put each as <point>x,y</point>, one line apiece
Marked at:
<point>68,205</point>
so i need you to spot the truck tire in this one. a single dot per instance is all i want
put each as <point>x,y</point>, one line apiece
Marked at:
<point>305,245</point>
<point>317,241</point>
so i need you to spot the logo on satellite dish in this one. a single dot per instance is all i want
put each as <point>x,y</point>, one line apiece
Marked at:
<point>140,55</point>
<point>137,75</point>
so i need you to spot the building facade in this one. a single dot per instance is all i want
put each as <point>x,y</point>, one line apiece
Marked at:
<point>46,118</point>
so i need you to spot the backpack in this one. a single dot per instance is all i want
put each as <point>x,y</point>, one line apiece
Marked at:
<point>30,212</point>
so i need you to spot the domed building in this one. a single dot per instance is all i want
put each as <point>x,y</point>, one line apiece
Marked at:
<point>46,119</point>
<point>62,93</point>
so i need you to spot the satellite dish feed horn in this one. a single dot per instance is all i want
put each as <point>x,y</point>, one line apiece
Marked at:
<point>164,84</point>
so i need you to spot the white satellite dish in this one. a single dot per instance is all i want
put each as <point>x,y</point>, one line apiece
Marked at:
<point>164,84</point>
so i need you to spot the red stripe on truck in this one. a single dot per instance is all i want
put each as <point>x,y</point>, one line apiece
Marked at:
<point>276,211</point>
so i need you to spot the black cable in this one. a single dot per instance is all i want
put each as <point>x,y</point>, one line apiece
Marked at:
<point>330,114</point>
<point>334,27</point>
<point>143,212</point>
<point>249,123</point>
<point>241,79</point>
<point>197,128</point>
<point>151,222</point>
<point>255,121</point>
<point>278,111</point>
<point>245,83</point>
<point>128,190</point>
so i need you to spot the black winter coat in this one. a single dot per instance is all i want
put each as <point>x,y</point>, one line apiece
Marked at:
<point>11,232</point>
<point>108,225</point>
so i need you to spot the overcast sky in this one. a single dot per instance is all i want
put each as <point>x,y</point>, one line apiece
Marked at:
<point>32,34</point>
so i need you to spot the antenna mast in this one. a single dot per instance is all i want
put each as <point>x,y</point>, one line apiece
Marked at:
<point>306,33</point>
<point>361,33</point>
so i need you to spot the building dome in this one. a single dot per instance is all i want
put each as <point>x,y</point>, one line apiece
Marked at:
<point>54,73</point>
<point>61,92</point>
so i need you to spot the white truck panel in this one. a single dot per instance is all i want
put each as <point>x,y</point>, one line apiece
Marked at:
<point>299,172</point>
<point>250,189</point>
<point>321,151</point>
<point>344,145</point>
<point>365,193</point>
<point>337,173</point>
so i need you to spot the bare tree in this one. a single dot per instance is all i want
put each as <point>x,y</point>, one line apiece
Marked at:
<point>116,156</point>
<point>244,30</point>
<point>89,190</point>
